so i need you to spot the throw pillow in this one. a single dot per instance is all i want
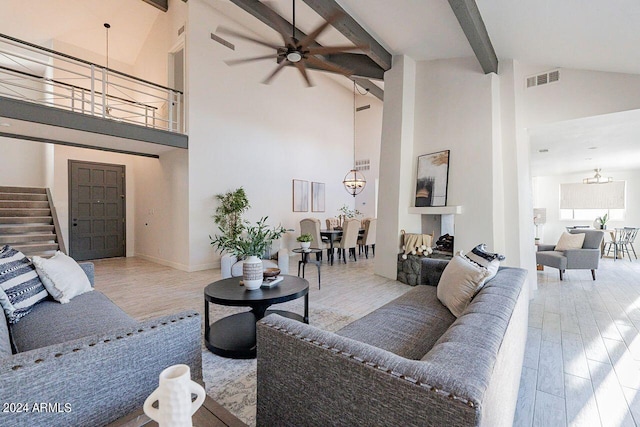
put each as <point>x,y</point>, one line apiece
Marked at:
<point>570,241</point>
<point>62,276</point>
<point>460,281</point>
<point>20,286</point>
<point>489,260</point>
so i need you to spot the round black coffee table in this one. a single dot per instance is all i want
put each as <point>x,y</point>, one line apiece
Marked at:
<point>235,336</point>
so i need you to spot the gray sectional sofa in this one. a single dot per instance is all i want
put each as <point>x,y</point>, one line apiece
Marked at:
<point>87,363</point>
<point>408,363</point>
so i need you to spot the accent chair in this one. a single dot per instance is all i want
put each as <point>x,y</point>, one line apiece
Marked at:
<point>588,257</point>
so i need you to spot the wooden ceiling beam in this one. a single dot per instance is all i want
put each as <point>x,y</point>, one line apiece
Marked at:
<point>163,5</point>
<point>352,30</point>
<point>473,26</point>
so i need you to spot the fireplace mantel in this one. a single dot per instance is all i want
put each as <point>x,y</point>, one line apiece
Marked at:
<point>436,210</point>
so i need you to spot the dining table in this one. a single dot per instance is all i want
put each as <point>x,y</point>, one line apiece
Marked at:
<point>333,236</point>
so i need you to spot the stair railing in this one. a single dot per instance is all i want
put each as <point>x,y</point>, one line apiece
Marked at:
<point>55,79</point>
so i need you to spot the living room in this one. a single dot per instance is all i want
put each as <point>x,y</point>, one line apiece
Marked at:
<point>261,137</point>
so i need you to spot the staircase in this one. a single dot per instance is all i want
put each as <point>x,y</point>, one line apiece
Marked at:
<point>28,221</point>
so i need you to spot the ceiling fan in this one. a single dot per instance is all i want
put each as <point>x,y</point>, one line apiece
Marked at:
<point>301,54</point>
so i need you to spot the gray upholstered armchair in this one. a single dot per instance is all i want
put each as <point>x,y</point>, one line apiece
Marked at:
<point>586,258</point>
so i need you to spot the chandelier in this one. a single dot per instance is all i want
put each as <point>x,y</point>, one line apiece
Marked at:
<point>354,181</point>
<point>597,178</point>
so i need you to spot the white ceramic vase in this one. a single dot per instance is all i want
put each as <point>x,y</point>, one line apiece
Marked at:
<point>173,395</point>
<point>252,274</point>
<point>305,245</point>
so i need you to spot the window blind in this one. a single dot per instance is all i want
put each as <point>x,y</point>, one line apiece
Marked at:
<point>593,196</point>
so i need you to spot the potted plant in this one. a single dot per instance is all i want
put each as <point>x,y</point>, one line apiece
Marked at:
<point>228,215</point>
<point>602,220</point>
<point>252,242</point>
<point>305,240</point>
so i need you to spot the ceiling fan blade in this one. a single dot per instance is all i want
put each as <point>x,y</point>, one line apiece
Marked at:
<point>326,50</point>
<point>315,33</point>
<point>279,23</point>
<point>276,71</point>
<point>233,33</point>
<point>256,58</point>
<point>324,65</point>
<point>303,70</point>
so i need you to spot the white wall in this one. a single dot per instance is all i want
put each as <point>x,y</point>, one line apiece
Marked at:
<point>161,216</point>
<point>579,93</point>
<point>260,137</point>
<point>454,112</point>
<point>22,163</point>
<point>547,195</point>
<point>368,138</point>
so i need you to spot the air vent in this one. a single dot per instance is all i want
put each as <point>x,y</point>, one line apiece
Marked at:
<point>363,165</point>
<point>543,79</point>
<point>222,41</point>
<point>181,30</point>
<point>364,107</point>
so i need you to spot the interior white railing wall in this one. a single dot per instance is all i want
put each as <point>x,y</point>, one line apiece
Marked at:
<point>36,74</point>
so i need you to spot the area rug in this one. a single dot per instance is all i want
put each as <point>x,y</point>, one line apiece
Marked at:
<point>232,382</point>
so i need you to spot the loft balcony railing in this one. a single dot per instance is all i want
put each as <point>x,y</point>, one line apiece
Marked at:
<point>36,74</point>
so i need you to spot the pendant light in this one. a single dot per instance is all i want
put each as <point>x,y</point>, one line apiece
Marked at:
<point>106,87</point>
<point>354,181</point>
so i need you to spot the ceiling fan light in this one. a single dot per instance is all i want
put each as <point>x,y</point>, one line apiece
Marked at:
<point>294,56</point>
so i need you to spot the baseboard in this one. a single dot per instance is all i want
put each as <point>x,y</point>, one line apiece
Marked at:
<point>176,265</point>
<point>207,266</point>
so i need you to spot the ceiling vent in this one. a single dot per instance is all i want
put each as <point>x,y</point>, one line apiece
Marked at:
<point>363,165</point>
<point>543,79</point>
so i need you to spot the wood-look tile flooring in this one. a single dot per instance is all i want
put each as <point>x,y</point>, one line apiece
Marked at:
<point>582,362</point>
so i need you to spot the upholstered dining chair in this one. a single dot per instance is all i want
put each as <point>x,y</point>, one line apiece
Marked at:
<point>350,230</point>
<point>369,237</point>
<point>312,226</point>
<point>587,257</point>
<point>332,223</point>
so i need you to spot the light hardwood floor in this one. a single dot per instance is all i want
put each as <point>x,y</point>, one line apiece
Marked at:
<point>582,362</point>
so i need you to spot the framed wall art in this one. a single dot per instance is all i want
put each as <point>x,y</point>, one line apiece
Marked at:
<point>300,195</point>
<point>317,197</point>
<point>432,179</point>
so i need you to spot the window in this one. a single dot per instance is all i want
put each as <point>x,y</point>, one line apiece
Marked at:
<point>591,214</point>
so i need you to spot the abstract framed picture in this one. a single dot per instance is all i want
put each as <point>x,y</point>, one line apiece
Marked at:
<point>432,179</point>
<point>300,195</point>
<point>317,197</point>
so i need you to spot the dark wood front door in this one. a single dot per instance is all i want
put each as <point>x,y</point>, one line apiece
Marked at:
<point>96,210</point>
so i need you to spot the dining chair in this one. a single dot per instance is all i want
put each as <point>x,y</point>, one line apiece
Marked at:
<point>369,237</point>
<point>622,239</point>
<point>312,226</point>
<point>350,231</point>
<point>332,223</point>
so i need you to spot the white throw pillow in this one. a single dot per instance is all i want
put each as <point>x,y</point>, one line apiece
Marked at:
<point>570,241</point>
<point>490,260</point>
<point>62,276</point>
<point>460,281</point>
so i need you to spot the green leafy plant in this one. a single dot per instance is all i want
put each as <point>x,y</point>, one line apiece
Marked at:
<point>254,240</point>
<point>603,220</point>
<point>305,238</point>
<point>228,215</point>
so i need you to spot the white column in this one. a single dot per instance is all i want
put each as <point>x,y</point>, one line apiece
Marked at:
<point>397,165</point>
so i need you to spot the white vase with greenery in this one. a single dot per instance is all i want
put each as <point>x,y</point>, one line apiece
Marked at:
<point>250,244</point>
